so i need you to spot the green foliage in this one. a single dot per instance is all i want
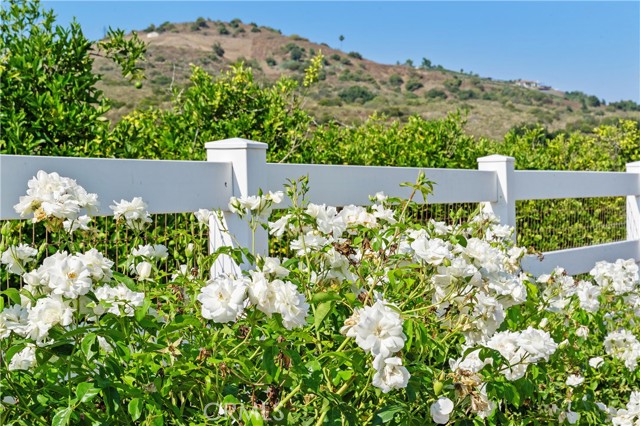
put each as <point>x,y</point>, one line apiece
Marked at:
<point>209,109</point>
<point>355,55</point>
<point>222,30</point>
<point>201,22</point>
<point>271,61</point>
<point>235,23</point>
<point>395,80</point>
<point>435,94</point>
<point>296,53</point>
<point>125,52</point>
<point>453,85</point>
<point>50,104</point>
<point>358,75</point>
<point>625,105</point>
<point>413,84</point>
<point>165,26</point>
<point>218,50</point>
<point>345,61</point>
<point>466,94</point>
<point>418,143</point>
<point>356,94</point>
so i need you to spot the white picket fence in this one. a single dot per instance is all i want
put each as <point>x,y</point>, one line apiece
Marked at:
<point>238,167</point>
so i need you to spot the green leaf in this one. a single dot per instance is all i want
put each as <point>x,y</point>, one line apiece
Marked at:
<point>13,294</point>
<point>386,414</point>
<point>135,408</point>
<point>85,391</point>
<point>325,296</point>
<point>268,360</point>
<point>111,399</point>
<point>141,312</point>
<point>322,311</point>
<point>87,345</point>
<point>62,417</point>
<point>121,278</point>
<point>62,349</point>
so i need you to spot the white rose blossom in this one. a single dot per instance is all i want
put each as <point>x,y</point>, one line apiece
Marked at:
<point>623,345</point>
<point>24,360</point>
<point>596,361</point>
<point>17,257</point>
<point>390,374</point>
<point>133,213</point>
<point>574,380</point>
<point>223,299</point>
<point>118,300</point>
<point>441,410</point>
<point>50,195</point>
<point>48,312</point>
<point>379,330</point>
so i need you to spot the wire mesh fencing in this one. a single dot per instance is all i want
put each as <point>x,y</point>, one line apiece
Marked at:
<point>542,225</point>
<point>179,233</point>
<point>547,225</point>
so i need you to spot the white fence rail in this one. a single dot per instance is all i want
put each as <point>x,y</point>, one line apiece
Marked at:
<point>238,167</point>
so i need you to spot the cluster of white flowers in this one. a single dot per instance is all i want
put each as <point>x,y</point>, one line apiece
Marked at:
<point>65,286</point>
<point>119,300</point>
<point>330,228</point>
<point>558,288</point>
<point>17,257</point>
<point>133,213</point>
<point>630,415</point>
<point>482,272</point>
<point>521,348</point>
<point>623,345</point>
<point>620,277</point>
<point>52,197</point>
<point>378,330</point>
<point>143,269</point>
<point>225,298</point>
<point>259,206</point>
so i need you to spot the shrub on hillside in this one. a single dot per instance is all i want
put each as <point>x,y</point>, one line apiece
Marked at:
<point>356,94</point>
<point>395,80</point>
<point>413,84</point>
<point>218,49</point>
<point>435,94</point>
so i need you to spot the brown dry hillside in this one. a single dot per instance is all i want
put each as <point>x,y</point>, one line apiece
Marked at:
<point>351,87</point>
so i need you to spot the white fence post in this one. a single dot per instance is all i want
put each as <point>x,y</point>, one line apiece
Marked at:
<point>633,207</point>
<point>249,161</point>
<point>505,206</point>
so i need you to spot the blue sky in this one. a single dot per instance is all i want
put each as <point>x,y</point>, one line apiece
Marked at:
<point>589,46</point>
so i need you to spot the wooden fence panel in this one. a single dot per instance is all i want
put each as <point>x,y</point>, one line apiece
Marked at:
<point>166,186</point>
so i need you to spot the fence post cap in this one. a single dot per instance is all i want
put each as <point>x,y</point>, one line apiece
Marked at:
<point>235,143</point>
<point>496,158</point>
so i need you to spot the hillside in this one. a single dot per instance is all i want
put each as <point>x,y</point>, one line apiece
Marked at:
<point>351,87</point>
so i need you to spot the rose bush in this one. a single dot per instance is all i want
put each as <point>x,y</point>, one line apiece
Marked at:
<point>367,316</point>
